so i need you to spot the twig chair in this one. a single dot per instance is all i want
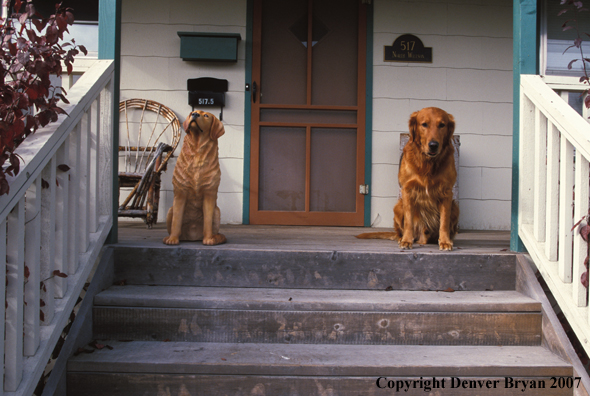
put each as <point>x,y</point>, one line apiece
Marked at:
<point>151,136</point>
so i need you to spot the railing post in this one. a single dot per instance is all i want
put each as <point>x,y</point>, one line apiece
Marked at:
<point>15,280</point>
<point>94,136</point>
<point>526,161</point>
<point>540,175</point>
<point>580,211</point>
<point>48,216</point>
<point>73,143</point>
<point>108,142</point>
<point>32,260</point>
<point>61,224</point>
<point>84,181</point>
<point>566,191</point>
<point>552,206</point>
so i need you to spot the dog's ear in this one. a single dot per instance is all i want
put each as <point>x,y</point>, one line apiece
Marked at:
<point>217,130</point>
<point>450,128</point>
<point>187,122</point>
<point>451,124</point>
<point>413,125</point>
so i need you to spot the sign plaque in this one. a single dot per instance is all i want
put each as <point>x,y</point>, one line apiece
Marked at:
<point>407,48</point>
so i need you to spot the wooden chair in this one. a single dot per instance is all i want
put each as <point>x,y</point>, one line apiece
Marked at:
<point>152,134</point>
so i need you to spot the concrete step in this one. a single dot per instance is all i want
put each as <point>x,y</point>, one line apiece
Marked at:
<point>299,316</point>
<point>275,268</point>
<point>155,368</point>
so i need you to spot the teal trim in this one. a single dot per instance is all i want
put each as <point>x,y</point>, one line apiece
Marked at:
<point>247,114</point>
<point>109,47</point>
<point>525,61</point>
<point>369,116</point>
<point>108,25</point>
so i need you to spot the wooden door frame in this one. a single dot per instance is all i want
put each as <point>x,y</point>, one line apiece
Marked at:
<point>364,103</point>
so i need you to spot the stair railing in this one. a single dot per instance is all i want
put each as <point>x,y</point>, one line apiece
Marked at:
<point>554,150</point>
<point>53,224</point>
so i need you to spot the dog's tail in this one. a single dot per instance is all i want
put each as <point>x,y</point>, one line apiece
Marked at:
<point>392,236</point>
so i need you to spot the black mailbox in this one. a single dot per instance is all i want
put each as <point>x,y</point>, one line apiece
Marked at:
<point>207,92</point>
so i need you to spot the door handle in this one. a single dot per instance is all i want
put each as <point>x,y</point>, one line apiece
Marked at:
<point>254,87</point>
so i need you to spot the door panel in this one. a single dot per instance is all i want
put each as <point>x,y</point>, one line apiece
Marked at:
<point>335,56</point>
<point>308,112</point>
<point>333,152</point>
<point>282,169</point>
<point>284,64</point>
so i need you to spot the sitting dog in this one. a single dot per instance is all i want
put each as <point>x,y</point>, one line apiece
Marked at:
<point>194,214</point>
<point>426,211</point>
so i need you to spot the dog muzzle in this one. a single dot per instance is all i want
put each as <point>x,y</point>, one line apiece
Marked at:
<point>194,117</point>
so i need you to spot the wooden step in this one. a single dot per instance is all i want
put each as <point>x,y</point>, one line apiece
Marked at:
<point>101,384</point>
<point>194,265</point>
<point>146,368</point>
<point>319,300</point>
<point>316,316</point>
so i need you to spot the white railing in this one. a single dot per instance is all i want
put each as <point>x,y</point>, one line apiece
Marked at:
<point>553,192</point>
<point>53,225</point>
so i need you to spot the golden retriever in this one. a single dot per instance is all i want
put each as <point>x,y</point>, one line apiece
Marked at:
<point>194,214</point>
<point>426,211</point>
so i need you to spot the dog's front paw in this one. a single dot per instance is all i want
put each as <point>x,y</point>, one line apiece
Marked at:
<point>214,240</point>
<point>405,244</point>
<point>445,245</point>
<point>170,240</point>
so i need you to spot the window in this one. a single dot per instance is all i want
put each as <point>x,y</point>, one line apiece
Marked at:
<point>84,10</point>
<point>554,41</point>
<point>85,28</point>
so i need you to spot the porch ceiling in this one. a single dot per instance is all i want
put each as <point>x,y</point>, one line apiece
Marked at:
<point>312,239</point>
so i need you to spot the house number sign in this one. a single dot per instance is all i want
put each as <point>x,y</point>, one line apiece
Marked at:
<point>201,98</point>
<point>407,48</point>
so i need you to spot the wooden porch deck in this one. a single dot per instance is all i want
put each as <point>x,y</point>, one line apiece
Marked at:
<point>313,239</point>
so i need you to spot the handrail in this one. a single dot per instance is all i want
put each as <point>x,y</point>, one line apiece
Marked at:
<point>53,224</point>
<point>553,194</point>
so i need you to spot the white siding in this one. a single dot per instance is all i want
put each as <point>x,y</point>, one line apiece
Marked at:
<point>151,68</point>
<point>470,77</point>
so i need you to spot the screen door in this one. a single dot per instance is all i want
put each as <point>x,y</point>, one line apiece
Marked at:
<point>308,112</point>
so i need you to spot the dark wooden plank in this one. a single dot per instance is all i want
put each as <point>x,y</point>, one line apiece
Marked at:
<point>315,300</point>
<point>321,269</point>
<point>317,327</point>
<point>84,384</point>
<point>341,239</point>
<point>320,360</point>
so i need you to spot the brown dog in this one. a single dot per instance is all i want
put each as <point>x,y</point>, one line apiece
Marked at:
<point>426,211</point>
<point>194,214</point>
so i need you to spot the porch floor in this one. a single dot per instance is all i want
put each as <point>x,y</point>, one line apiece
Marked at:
<point>312,239</point>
